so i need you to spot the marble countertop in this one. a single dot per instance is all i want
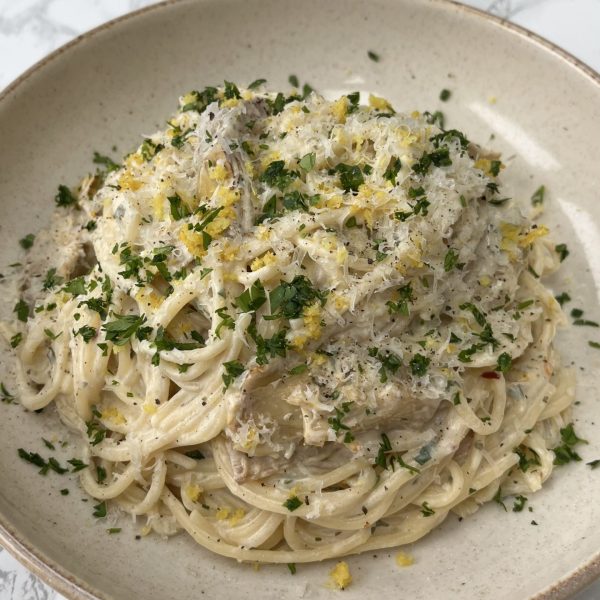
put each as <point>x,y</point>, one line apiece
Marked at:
<point>30,29</point>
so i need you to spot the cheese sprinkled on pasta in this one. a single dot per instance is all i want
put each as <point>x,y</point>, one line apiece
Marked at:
<point>304,329</point>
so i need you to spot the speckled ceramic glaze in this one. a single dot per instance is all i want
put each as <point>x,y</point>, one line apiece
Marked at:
<point>123,79</point>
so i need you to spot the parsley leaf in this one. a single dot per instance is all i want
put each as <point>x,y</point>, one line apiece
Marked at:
<point>233,369</point>
<point>27,241</point>
<point>122,328</point>
<point>564,453</point>
<point>307,162</point>
<point>179,209</point>
<point>289,299</point>
<point>276,175</point>
<point>22,310</point>
<point>293,503</point>
<point>538,196</point>
<point>504,362</point>
<point>419,365</point>
<point>252,299</point>
<point>351,177</point>
<point>562,251</point>
<point>64,197</point>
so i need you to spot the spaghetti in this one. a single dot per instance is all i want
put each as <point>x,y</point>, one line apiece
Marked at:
<point>304,329</point>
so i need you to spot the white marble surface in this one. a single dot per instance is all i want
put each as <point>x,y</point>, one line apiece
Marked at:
<point>30,29</point>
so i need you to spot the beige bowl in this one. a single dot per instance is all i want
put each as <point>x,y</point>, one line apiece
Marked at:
<point>122,79</point>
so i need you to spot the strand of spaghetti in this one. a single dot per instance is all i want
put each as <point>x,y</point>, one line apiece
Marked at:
<point>197,531</point>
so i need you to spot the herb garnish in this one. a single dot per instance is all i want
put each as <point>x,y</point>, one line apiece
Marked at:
<point>385,459</point>
<point>289,299</point>
<point>27,241</point>
<point>64,197</point>
<point>562,251</point>
<point>538,196</point>
<point>233,369</point>
<point>100,510</point>
<point>401,306</point>
<point>293,503</point>
<point>564,453</point>
<point>426,510</point>
<point>122,328</point>
<point>419,365</point>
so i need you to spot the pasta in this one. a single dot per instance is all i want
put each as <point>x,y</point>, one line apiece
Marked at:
<point>298,329</point>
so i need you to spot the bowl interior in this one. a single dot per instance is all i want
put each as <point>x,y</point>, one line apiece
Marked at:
<point>124,81</point>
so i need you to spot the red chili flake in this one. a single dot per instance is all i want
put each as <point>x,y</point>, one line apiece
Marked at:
<point>490,375</point>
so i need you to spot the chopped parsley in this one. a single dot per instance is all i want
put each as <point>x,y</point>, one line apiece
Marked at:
<point>179,209</point>
<point>392,170</point>
<point>200,100</point>
<point>450,260</point>
<point>226,320</point>
<point>256,84</point>
<point>307,162</point>
<point>563,298</point>
<point>268,347</point>
<point>519,503</point>
<point>373,56</point>
<point>564,453</point>
<point>426,510</point>
<point>438,158</point>
<point>504,363</point>
<point>149,149</point>
<point>401,306</point>
<point>477,314</point>
<point>419,365</point>
<point>301,368</point>
<point>22,310</point>
<point>562,251</point>
<point>445,95</point>
<point>498,498</point>
<point>233,369</point>
<point>277,176</point>
<point>538,196</point>
<point>86,332</point>
<point>77,465</point>
<point>527,458</point>
<point>390,363</point>
<point>5,395</point>
<point>52,279</point>
<point>585,323</point>
<point>122,328</point>
<point>252,299</point>
<point>27,241</point>
<point>293,503</point>
<point>64,197</point>
<point>351,177</point>
<point>231,91</point>
<point>385,459</point>
<point>289,299</point>
<point>75,287</point>
<point>100,510</point>
<point>292,568</point>
<point>16,339</point>
<point>105,161</point>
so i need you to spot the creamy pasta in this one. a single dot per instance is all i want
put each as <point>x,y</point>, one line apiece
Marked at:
<point>298,329</point>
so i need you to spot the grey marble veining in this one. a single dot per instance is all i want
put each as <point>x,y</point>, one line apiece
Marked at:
<point>30,29</point>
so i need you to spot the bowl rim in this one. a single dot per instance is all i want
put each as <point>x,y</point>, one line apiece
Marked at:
<point>74,588</point>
